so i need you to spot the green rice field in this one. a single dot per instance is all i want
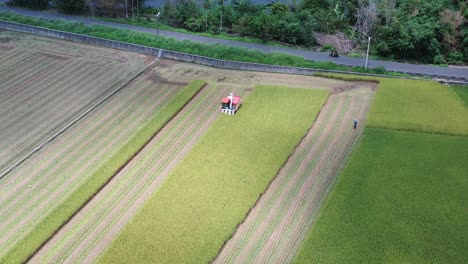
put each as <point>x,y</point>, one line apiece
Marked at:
<point>400,199</point>
<point>415,105</point>
<point>422,106</point>
<point>462,92</point>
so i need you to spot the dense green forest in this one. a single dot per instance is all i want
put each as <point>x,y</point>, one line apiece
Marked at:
<point>429,31</point>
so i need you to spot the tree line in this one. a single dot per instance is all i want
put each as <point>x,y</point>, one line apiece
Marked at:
<point>430,31</point>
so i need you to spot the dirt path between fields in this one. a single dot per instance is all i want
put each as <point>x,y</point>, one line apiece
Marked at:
<point>274,229</point>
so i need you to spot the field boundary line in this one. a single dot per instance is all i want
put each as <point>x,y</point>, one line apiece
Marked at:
<point>418,131</point>
<point>113,175</point>
<point>197,59</point>
<point>74,120</point>
<point>333,180</point>
<point>347,156</point>
<point>271,181</point>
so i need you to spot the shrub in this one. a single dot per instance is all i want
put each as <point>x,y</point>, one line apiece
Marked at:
<point>440,59</point>
<point>455,57</point>
<point>379,70</point>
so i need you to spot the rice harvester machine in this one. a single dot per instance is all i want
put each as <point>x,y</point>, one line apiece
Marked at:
<point>230,104</point>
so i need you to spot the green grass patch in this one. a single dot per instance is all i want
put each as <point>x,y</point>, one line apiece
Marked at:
<point>209,193</point>
<point>52,222</point>
<point>216,51</point>
<point>414,105</point>
<point>462,92</point>
<point>400,199</point>
<point>348,77</point>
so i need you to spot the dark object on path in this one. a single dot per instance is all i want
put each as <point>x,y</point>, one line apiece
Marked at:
<point>355,123</point>
<point>334,54</point>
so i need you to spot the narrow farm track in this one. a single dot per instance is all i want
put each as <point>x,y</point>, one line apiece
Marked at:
<point>85,237</point>
<point>45,83</point>
<point>38,185</point>
<point>275,227</point>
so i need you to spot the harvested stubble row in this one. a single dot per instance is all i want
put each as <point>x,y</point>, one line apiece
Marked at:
<point>88,233</point>
<point>36,189</point>
<point>42,88</point>
<point>274,229</point>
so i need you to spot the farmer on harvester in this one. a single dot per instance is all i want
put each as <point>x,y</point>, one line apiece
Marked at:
<point>355,123</point>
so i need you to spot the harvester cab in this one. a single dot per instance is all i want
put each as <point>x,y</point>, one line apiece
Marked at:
<point>230,104</point>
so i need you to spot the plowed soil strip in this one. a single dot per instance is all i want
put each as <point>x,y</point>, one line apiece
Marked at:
<point>274,228</point>
<point>98,223</point>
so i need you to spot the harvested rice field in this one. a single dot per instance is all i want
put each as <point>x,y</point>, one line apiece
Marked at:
<point>90,136</point>
<point>46,83</point>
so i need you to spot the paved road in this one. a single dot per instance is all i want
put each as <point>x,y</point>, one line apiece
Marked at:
<point>308,55</point>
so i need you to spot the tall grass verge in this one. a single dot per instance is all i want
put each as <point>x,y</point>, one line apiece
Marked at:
<point>26,247</point>
<point>216,51</point>
<point>209,193</point>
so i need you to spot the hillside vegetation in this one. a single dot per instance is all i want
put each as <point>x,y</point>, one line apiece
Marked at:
<point>430,31</point>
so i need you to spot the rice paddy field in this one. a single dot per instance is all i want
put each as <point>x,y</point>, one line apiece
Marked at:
<point>116,157</point>
<point>402,196</point>
<point>205,198</point>
<point>462,92</point>
<point>401,199</point>
<point>44,84</point>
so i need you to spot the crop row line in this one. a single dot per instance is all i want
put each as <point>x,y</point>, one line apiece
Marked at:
<point>110,205</point>
<point>88,145</point>
<point>275,227</point>
<point>80,168</point>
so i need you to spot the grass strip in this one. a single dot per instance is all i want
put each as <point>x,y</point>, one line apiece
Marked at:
<point>462,92</point>
<point>27,246</point>
<point>200,204</point>
<point>414,105</point>
<point>223,35</point>
<point>217,51</point>
<point>400,199</point>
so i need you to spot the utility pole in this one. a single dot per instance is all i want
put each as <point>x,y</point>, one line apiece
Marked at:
<point>221,24</point>
<point>367,55</point>
<point>126,9</point>
<point>157,21</point>
<point>206,21</point>
<point>138,10</point>
<point>133,14</point>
